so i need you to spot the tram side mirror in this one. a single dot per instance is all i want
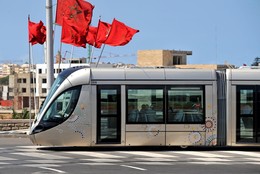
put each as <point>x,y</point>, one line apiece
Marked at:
<point>57,118</point>
<point>38,128</point>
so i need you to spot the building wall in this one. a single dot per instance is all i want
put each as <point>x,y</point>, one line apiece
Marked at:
<point>5,93</point>
<point>21,89</point>
<point>161,57</point>
<point>14,124</point>
<point>198,66</point>
<point>167,58</point>
<point>150,58</point>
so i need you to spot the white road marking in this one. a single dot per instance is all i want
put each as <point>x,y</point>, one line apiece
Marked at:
<point>210,159</point>
<point>255,163</point>
<point>97,164</point>
<point>41,155</point>
<point>154,163</point>
<point>55,170</point>
<point>40,165</point>
<point>202,154</point>
<point>155,159</point>
<point>133,167</point>
<point>46,161</point>
<point>252,154</point>
<point>149,154</point>
<point>209,163</point>
<point>96,154</point>
<point>252,159</point>
<point>6,158</point>
<point>103,160</point>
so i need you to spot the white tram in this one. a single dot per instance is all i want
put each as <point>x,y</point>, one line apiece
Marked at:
<point>150,107</point>
<point>243,107</point>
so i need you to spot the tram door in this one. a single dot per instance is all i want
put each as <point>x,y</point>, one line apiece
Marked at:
<point>248,114</point>
<point>108,114</point>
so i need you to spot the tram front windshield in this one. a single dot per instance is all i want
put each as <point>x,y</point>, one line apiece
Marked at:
<point>61,77</point>
<point>54,87</point>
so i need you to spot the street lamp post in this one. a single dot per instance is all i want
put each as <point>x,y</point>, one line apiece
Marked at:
<point>49,45</point>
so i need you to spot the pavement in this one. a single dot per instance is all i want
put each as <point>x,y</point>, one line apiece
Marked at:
<point>15,133</point>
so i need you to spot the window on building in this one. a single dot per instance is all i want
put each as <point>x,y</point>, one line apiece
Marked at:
<point>145,104</point>
<point>185,104</point>
<point>40,71</point>
<point>33,89</point>
<point>23,89</point>
<point>44,90</point>
<point>19,80</point>
<point>24,80</point>
<point>33,80</point>
<point>177,60</point>
<point>44,80</point>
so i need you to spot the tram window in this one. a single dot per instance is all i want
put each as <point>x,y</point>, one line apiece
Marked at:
<point>185,104</point>
<point>145,104</point>
<point>108,102</point>
<point>246,100</point>
<point>62,106</point>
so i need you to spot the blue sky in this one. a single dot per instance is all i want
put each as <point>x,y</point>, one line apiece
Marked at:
<point>216,31</point>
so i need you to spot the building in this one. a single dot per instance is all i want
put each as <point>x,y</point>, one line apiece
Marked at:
<point>7,69</point>
<point>21,89</point>
<point>172,58</point>
<point>162,57</point>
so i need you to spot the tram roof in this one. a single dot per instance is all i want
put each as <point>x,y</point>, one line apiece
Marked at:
<point>151,74</point>
<point>243,74</point>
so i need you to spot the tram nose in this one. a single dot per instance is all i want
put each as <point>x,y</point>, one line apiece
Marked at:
<point>32,138</point>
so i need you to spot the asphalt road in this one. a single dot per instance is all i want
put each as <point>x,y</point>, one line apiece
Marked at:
<point>18,155</point>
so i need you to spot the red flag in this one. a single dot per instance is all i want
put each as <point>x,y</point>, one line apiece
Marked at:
<point>120,34</point>
<point>102,32</point>
<point>60,11</point>
<point>87,9</point>
<point>78,13</point>
<point>91,37</point>
<point>37,32</point>
<point>70,35</point>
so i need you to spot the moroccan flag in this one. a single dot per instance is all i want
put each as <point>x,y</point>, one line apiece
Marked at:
<point>102,32</point>
<point>87,10</point>
<point>77,13</point>
<point>120,34</point>
<point>37,32</point>
<point>70,35</point>
<point>91,37</point>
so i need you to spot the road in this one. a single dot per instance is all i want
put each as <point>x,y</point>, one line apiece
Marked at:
<point>18,155</point>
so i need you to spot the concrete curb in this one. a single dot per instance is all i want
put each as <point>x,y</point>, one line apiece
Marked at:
<point>15,133</point>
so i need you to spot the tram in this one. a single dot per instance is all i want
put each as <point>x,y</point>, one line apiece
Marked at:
<point>150,107</point>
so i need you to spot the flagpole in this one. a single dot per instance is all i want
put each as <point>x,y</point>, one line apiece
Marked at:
<point>30,108</point>
<point>60,57</point>
<point>34,90</point>
<point>91,55</point>
<point>100,55</point>
<point>30,115</point>
<point>49,41</point>
<point>71,54</point>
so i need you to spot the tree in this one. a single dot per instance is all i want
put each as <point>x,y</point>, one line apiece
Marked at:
<point>4,80</point>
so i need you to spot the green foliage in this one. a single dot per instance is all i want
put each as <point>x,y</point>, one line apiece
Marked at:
<point>24,115</point>
<point>4,80</point>
<point>14,115</point>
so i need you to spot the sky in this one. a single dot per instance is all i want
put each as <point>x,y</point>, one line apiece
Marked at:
<point>216,31</point>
